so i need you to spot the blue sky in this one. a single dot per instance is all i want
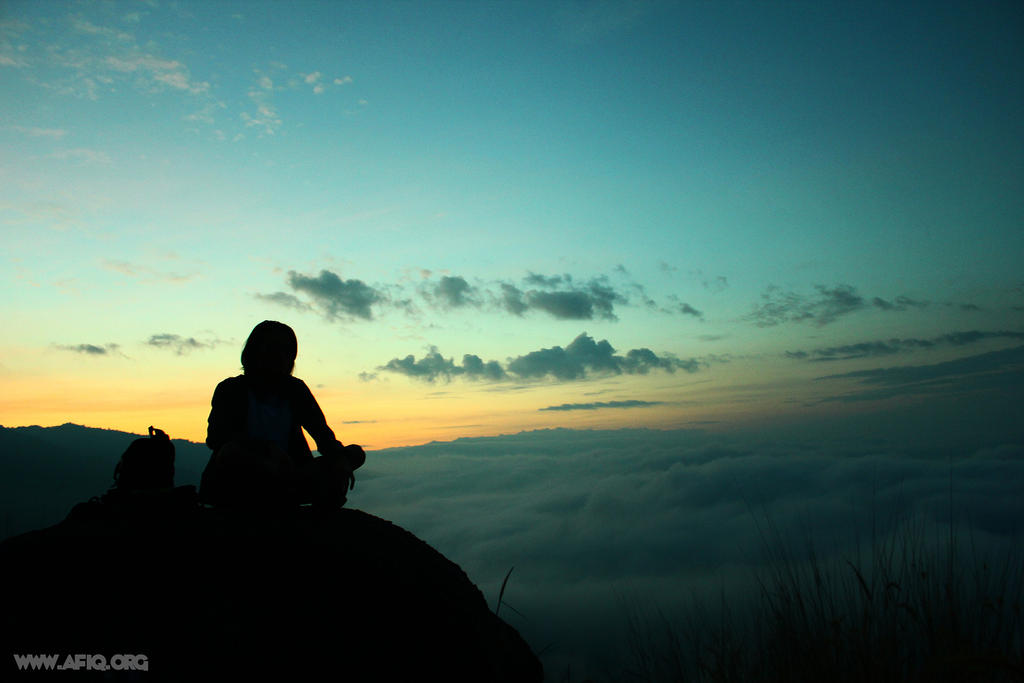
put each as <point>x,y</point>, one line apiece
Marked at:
<point>717,183</point>
<point>789,235</point>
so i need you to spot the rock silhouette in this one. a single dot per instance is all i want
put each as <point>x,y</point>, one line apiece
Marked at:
<point>220,594</point>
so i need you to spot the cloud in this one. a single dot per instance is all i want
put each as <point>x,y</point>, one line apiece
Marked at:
<point>336,297</point>
<point>83,155</point>
<point>11,61</point>
<point>265,118</point>
<point>569,301</point>
<point>538,280</point>
<point>36,132</point>
<point>642,361</point>
<point>561,297</point>
<point>715,284</point>
<point>590,518</point>
<point>143,273</point>
<point>180,345</point>
<point>90,349</point>
<point>973,376</point>
<point>823,308</point>
<point>563,305</point>
<point>434,366</point>
<point>512,299</point>
<point>452,292</point>
<point>582,358</point>
<point>285,299</point>
<point>604,404</point>
<point>901,303</point>
<point>572,362</point>
<point>166,72</point>
<point>893,346</point>
<point>683,307</point>
<point>92,58</point>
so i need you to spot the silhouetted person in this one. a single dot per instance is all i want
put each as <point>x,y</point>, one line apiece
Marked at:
<point>260,456</point>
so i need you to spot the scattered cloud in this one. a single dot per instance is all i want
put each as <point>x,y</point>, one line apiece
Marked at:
<point>893,346</point>
<point>581,359</point>
<point>36,132</point>
<point>286,300</point>
<point>90,349</point>
<point>142,272</point>
<point>684,308</point>
<point>335,297</point>
<point>603,404</point>
<point>96,57</point>
<point>561,297</point>
<point>972,375</point>
<point>822,308</point>
<point>179,344</point>
<point>567,305</point>
<point>451,292</point>
<point>901,303</point>
<point>264,118</point>
<point>83,155</point>
<point>12,61</point>
<point>512,299</point>
<point>434,366</point>
<point>713,283</point>
<point>155,70</point>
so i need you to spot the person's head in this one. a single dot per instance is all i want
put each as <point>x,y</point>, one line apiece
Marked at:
<point>270,350</point>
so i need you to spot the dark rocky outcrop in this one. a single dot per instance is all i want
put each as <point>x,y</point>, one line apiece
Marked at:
<point>210,594</point>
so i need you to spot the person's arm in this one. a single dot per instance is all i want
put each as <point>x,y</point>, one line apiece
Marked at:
<point>315,423</point>
<point>222,423</point>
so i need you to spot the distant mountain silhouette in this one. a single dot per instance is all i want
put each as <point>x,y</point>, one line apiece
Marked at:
<point>215,594</point>
<point>44,471</point>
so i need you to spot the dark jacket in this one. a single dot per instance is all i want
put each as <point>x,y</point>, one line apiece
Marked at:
<point>230,407</point>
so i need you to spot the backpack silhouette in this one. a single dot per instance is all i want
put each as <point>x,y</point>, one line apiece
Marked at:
<point>147,464</point>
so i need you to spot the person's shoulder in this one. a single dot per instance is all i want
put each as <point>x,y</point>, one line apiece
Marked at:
<point>231,383</point>
<point>297,385</point>
<point>299,392</point>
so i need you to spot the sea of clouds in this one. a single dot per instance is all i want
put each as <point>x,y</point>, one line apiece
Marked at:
<point>599,524</point>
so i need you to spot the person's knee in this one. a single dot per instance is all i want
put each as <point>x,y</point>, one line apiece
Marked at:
<point>248,472</point>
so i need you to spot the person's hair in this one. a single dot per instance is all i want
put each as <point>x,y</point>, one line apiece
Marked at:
<point>270,349</point>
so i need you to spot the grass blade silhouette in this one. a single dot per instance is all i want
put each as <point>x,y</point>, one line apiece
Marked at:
<point>501,593</point>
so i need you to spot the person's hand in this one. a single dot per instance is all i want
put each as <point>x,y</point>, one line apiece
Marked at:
<point>343,464</point>
<point>355,454</point>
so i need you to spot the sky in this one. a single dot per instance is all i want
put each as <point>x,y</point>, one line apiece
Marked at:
<point>644,272</point>
<point>484,218</point>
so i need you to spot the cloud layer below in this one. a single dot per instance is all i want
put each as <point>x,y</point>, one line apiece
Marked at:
<point>594,517</point>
